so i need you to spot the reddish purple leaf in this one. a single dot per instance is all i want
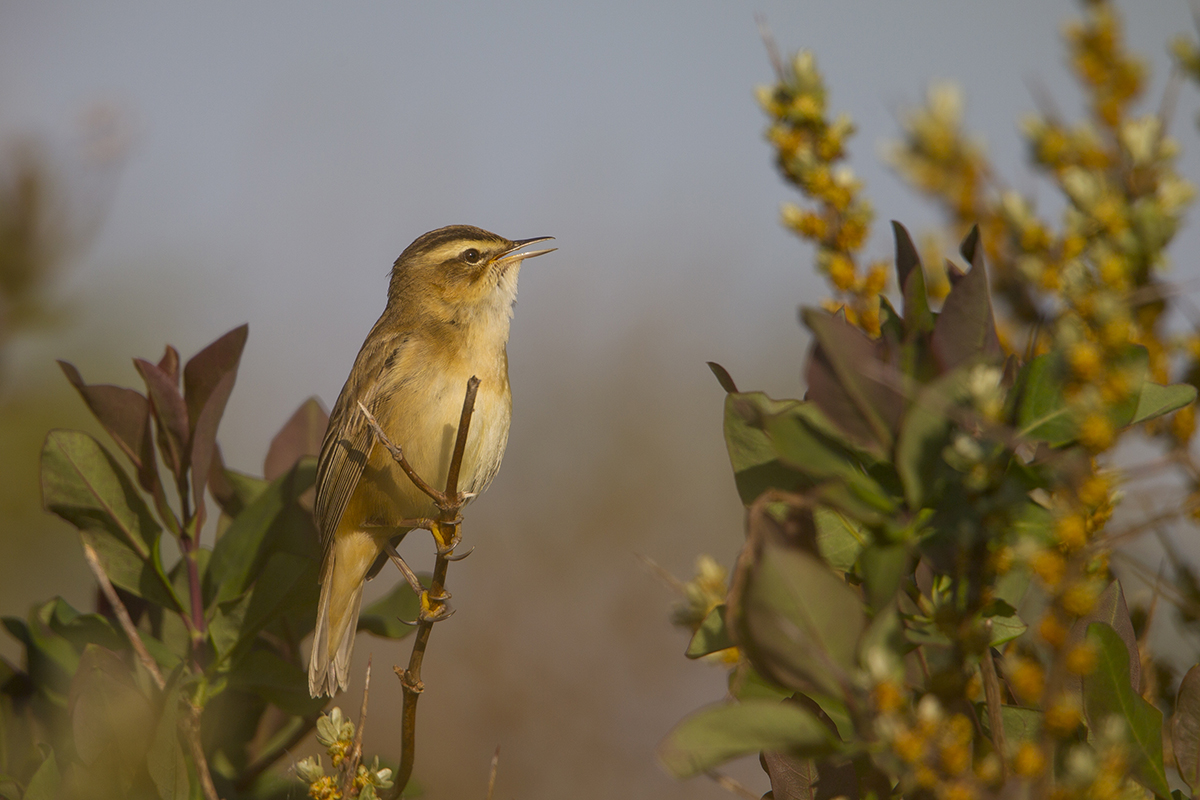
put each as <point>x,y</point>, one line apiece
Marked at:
<point>208,381</point>
<point>169,363</point>
<point>125,414</point>
<point>966,327</point>
<point>300,436</point>
<point>906,254</point>
<point>169,412</point>
<point>850,379</point>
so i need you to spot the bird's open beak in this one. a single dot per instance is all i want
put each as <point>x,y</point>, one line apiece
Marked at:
<point>511,256</point>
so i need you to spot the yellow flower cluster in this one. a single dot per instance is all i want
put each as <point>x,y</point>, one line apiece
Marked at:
<point>701,595</point>
<point>1113,76</point>
<point>1097,274</point>
<point>937,751</point>
<point>938,158</point>
<point>336,733</point>
<point>809,148</point>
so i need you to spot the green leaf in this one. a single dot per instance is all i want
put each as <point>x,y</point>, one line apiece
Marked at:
<point>225,624</point>
<point>924,434</point>
<point>382,618</point>
<point>1006,628</point>
<point>1042,411</point>
<point>1107,692</point>
<point>165,760</point>
<point>45,781</point>
<point>839,539</point>
<point>240,554</point>
<point>1156,400</point>
<point>746,684</point>
<point>883,567</point>
<point>756,466</point>
<point>797,621</point>
<point>286,581</point>
<point>279,682</point>
<point>883,645</point>
<point>1185,728</point>
<point>714,735</point>
<point>233,490</point>
<point>1110,608</point>
<point>1020,724</point>
<point>711,636</point>
<point>84,484</point>
<point>109,715</point>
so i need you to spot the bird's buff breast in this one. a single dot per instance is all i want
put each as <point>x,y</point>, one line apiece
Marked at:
<point>421,414</point>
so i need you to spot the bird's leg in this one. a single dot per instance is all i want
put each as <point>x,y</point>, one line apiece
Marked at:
<point>408,574</point>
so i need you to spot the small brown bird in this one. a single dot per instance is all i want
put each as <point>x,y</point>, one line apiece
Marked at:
<point>447,317</point>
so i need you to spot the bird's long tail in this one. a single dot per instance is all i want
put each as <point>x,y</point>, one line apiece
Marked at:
<point>342,577</point>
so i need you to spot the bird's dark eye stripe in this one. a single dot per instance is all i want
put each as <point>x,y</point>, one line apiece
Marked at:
<point>470,255</point>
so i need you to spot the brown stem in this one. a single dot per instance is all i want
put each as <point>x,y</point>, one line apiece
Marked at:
<point>433,601</point>
<point>135,641</point>
<point>492,773</point>
<point>355,755</point>
<point>191,726</point>
<point>991,690</point>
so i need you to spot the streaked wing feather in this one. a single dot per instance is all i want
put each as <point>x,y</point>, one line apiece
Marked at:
<point>347,446</point>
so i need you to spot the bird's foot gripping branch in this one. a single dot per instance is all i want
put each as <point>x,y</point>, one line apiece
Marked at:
<point>446,530</point>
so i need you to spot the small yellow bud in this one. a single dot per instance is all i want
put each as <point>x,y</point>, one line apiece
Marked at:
<point>1052,630</point>
<point>956,790</point>
<point>1001,560</point>
<point>1028,680</point>
<point>1071,531</point>
<point>1049,566</point>
<point>926,777</point>
<point>841,272</point>
<point>1183,424</point>
<point>1094,491</point>
<point>909,745</point>
<point>1096,432</point>
<point>1029,761</point>
<point>1079,598</point>
<point>1086,360</point>
<point>1081,660</point>
<point>888,697</point>
<point>1062,716</point>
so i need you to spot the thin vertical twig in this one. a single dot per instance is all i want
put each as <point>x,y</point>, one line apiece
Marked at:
<point>191,723</point>
<point>354,758</point>
<point>445,531</point>
<point>492,773</point>
<point>114,600</point>
<point>991,691</point>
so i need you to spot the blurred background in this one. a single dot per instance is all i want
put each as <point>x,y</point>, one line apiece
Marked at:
<point>199,166</point>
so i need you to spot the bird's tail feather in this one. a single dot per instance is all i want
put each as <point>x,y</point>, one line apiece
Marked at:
<point>337,619</point>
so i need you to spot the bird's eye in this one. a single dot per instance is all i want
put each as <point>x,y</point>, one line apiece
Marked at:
<point>471,256</point>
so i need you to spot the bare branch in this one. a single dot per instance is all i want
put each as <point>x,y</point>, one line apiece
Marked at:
<point>114,600</point>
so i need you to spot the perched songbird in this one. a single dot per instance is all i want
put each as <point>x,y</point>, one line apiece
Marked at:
<point>449,305</point>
